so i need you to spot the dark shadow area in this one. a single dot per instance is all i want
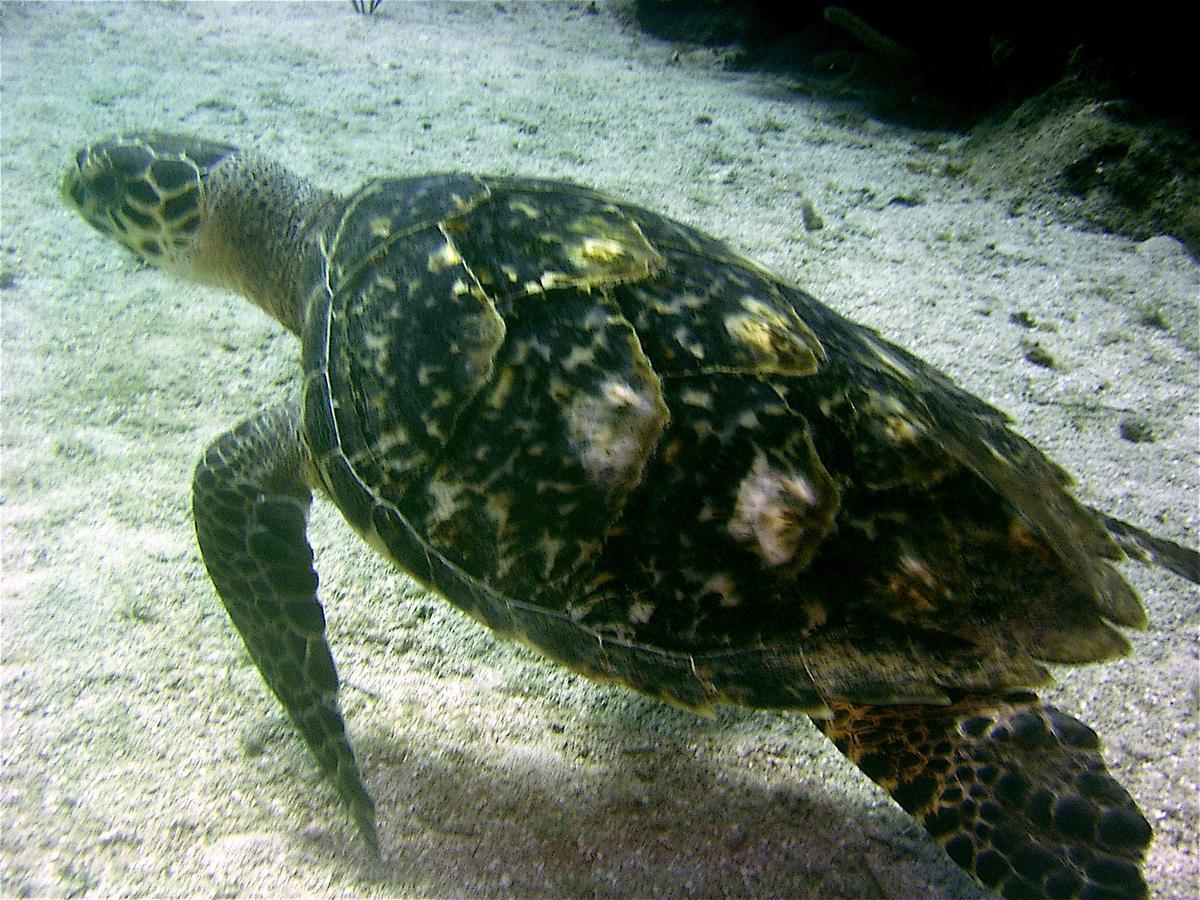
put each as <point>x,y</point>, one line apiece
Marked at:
<point>458,823</point>
<point>941,65</point>
<point>1092,110</point>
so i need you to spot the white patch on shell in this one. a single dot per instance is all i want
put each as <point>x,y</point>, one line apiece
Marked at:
<point>444,496</point>
<point>683,337</point>
<point>550,546</point>
<point>640,612</point>
<point>497,506</point>
<point>694,397</point>
<point>781,514</point>
<point>613,431</point>
<point>387,441</point>
<point>443,258</point>
<point>897,423</point>
<point>577,357</point>
<point>723,586</point>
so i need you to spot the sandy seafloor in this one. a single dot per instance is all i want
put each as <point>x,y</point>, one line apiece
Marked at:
<point>142,754</point>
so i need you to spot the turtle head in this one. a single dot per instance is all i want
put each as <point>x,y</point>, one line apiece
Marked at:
<point>207,211</point>
<point>146,192</point>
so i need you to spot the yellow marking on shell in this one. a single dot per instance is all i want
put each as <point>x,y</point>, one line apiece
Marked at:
<point>501,389</point>
<point>595,252</point>
<point>1000,453</point>
<point>778,344</point>
<point>504,566</point>
<point>524,209</point>
<point>445,499</point>
<point>676,305</point>
<point>683,337</point>
<point>578,357</point>
<point>389,440</point>
<point>379,344</point>
<point>672,450</point>
<point>386,283</point>
<point>550,546</point>
<point>525,347</point>
<point>444,258</point>
<point>723,586</point>
<point>459,288</point>
<point>497,506</point>
<point>426,373</point>
<point>548,281</point>
<point>901,431</point>
<point>915,590</point>
<point>381,226</point>
<point>509,272</point>
<point>640,612</point>
<point>694,397</point>
<point>882,353</point>
<point>898,424</point>
<point>916,568</point>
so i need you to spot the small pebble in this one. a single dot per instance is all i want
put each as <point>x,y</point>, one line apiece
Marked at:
<point>1137,430</point>
<point>736,838</point>
<point>1037,354</point>
<point>811,220</point>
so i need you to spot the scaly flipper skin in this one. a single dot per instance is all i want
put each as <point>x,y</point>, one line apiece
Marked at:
<point>1016,792</point>
<point>251,503</point>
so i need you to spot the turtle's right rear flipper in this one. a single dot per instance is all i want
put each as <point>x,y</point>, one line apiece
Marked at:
<point>1144,546</point>
<point>251,504</point>
<point>1016,792</point>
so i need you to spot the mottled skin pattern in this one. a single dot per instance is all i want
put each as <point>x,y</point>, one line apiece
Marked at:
<point>604,433</point>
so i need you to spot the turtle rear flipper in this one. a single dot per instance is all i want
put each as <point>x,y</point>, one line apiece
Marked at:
<point>1016,792</point>
<point>251,503</point>
<point>1150,548</point>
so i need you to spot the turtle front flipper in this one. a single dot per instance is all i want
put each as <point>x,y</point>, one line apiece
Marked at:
<point>251,501</point>
<point>1016,792</point>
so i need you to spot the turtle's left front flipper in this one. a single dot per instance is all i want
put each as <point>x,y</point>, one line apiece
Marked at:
<point>1016,792</point>
<point>250,502</point>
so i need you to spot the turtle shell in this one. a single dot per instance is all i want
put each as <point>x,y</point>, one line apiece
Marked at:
<point>607,434</point>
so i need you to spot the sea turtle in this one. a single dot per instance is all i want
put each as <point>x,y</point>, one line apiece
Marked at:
<point>606,434</point>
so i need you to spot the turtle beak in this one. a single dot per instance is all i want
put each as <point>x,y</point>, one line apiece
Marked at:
<point>144,191</point>
<point>90,192</point>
